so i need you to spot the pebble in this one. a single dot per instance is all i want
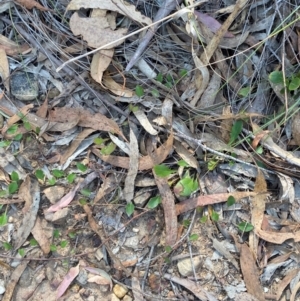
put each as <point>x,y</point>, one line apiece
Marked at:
<point>185,267</point>
<point>24,86</point>
<point>127,298</point>
<point>120,291</point>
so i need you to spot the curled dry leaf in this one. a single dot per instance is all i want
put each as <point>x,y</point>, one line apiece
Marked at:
<point>116,88</point>
<point>4,69</point>
<point>100,62</point>
<point>296,128</point>
<point>122,7</point>
<point>142,118</point>
<point>133,168</point>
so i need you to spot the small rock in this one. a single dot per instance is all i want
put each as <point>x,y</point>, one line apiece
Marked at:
<point>60,216</point>
<point>82,277</point>
<point>120,291</point>
<point>24,86</point>
<point>142,197</point>
<point>114,298</point>
<point>185,266</point>
<point>132,242</point>
<point>127,298</point>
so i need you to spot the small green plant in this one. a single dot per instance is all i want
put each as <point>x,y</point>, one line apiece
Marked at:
<point>108,149</point>
<point>168,249</point>
<point>7,246</point>
<point>154,202</point>
<point>235,131</point>
<point>245,227</point>
<point>193,237</point>
<point>56,233</point>
<point>139,91</point>
<point>71,177</point>
<point>82,201</point>
<point>21,252</point>
<point>203,219</point>
<point>230,201</point>
<point>186,186</point>
<point>53,248</point>
<point>40,174</point>
<point>85,192</point>
<point>58,173</point>
<point>33,242</point>
<point>3,219</point>
<point>81,167</point>
<point>215,216</point>
<point>163,171</point>
<point>129,209</point>
<point>292,83</point>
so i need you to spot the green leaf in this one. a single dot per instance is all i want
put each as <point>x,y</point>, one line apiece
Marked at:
<point>7,246</point>
<point>81,167</point>
<point>53,248</point>
<point>33,242</point>
<point>244,91</point>
<point>63,243</point>
<point>186,223</point>
<point>38,130</point>
<point>235,131</point>
<point>58,173</point>
<point>212,164</point>
<point>159,77</point>
<point>155,93</point>
<point>13,187</point>
<point>133,108</point>
<point>40,174</point>
<point>3,193</point>
<point>294,84</point>
<point>56,233</point>
<point>12,129</point>
<point>168,249</point>
<point>82,202</point>
<point>139,91</point>
<point>193,237</point>
<point>276,77</point>
<point>203,219</point>
<point>108,149</point>
<point>230,201</point>
<point>52,181</point>
<point>169,78</point>
<point>183,72</point>
<point>14,176</point>
<point>18,137</point>
<point>4,143</point>
<point>71,177</point>
<point>86,192</point>
<point>154,202</point>
<point>215,216</point>
<point>3,219</point>
<point>186,186</point>
<point>245,227</point>
<point>98,141</point>
<point>27,125</point>
<point>129,209</point>
<point>72,235</point>
<point>163,171</point>
<point>21,252</point>
<point>183,163</point>
<point>259,150</point>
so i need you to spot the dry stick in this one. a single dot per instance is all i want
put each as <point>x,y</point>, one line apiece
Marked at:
<point>167,7</point>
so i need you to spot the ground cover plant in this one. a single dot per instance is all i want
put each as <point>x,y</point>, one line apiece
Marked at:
<point>149,150</point>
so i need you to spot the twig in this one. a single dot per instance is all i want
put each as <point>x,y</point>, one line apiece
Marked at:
<point>164,11</point>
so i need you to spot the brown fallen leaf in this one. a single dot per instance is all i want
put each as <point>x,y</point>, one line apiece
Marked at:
<point>100,62</point>
<point>42,233</point>
<point>250,273</point>
<point>96,121</point>
<point>13,280</point>
<point>4,69</point>
<point>30,4</point>
<point>74,145</point>
<point>168,203</point>
<point>145,162</point>
<point>71,275</point>
<point>285,282</point>
<point>31,189</point>
<point>129,185</point>
<point>204,200</point>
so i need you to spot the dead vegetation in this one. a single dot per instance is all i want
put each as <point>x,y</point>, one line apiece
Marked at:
<point>149,150</point>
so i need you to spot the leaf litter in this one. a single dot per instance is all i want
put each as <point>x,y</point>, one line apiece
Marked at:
<point>216,104</point>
